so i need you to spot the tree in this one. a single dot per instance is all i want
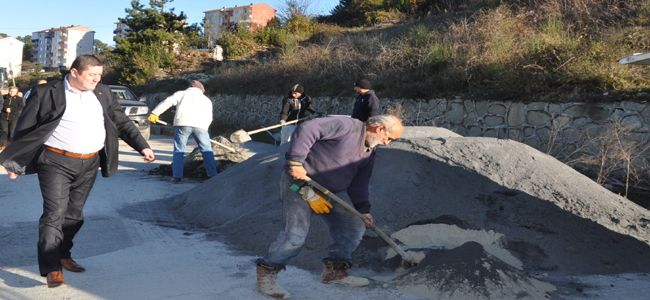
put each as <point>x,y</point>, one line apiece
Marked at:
<point>154,38</point>
<point>293,9</point>
<point>101,47</point>
<point>355,12</point>
<point>28,47</point>
<point>195,38</point>
<point>3,35</point>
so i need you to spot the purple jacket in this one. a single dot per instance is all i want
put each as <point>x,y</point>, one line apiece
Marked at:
<point>333,152</point>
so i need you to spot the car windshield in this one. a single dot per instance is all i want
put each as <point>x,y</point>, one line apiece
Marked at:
<point>121,94</point>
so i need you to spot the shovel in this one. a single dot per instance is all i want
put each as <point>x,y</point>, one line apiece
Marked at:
<point>211,140</point>
<point>409,259</point>
<point>241,136</point>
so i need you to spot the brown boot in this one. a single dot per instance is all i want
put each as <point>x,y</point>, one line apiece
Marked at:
<point>337,272</point>
<point>54,279</point>
<point>267,282</point>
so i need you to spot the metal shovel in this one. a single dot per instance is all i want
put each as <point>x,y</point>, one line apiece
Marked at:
<point>409,259</point>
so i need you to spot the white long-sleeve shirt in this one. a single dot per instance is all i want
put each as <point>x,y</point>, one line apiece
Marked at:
<point>193,108</point>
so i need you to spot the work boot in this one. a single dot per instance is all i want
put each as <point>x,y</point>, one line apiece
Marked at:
<point>337,272</point>
<point>267,282</point>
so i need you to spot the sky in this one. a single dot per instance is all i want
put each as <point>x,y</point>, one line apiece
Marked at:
<point>22,17</point>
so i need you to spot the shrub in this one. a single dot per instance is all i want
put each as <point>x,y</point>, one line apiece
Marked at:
<point>236,44</point>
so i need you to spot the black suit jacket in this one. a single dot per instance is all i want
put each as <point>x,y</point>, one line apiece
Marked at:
<point>42,115</point>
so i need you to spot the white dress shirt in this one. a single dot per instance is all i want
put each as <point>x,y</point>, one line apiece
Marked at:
<point>81,129</point>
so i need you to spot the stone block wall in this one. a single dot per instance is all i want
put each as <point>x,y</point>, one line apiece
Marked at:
<point>556,128</point>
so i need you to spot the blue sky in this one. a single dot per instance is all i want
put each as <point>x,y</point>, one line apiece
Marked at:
<point>22,17</point>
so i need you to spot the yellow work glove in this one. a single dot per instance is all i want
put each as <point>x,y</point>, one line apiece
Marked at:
<point>152,118</point>
<point>317,203</point>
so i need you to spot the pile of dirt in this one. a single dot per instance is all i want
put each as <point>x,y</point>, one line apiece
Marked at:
<point>226,153</point>
<point>469,272</point>
<point>527,210</point>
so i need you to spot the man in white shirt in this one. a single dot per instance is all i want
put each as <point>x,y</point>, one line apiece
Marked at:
<point>193,117</point>
<point>67,130</point>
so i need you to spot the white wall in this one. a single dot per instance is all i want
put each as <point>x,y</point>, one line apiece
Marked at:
<point>79,43</point>
<point>11,53</point>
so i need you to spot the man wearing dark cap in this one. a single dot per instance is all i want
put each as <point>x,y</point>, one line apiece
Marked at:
<point>367,103</point>
<point>193,117</point>
<point>296,105</point>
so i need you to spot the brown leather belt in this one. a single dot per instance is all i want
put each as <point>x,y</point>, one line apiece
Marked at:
<point>72,154</point>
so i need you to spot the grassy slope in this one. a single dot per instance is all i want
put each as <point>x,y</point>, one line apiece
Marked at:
<point>530,50</point>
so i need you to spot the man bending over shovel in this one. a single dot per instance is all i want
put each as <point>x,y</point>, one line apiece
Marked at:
<point>193,117</point>
<point>338,153</point>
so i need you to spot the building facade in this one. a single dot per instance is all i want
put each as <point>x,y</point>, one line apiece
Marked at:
<point>217,21</point>
<point>58,47</point>
<point>11,56</point>
<point>120,31</point>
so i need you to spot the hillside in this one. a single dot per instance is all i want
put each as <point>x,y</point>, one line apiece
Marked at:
<point>557,50</point>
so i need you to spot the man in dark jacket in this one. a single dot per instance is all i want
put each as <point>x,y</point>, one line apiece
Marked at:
<point>11,109</point>
<point>338,153</point>
<point>296,105</point>
<point>366,104</point>
<point>67,130</point>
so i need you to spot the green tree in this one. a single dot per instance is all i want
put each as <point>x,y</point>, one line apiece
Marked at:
<point>101,47</point>
<point>356,12</point>
<point>155,36</point>
<point>28,47</point>
<point>195,38</point>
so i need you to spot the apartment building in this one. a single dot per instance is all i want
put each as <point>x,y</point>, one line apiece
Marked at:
<point>58,47</point>
<point>217,21</point>
<point>11,56</point>
<point>120,31</point>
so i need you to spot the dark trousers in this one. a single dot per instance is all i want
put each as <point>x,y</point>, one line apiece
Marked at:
<point>7,128</point>
<point>65,184</point>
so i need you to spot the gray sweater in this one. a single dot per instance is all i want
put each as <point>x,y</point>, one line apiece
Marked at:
<point>333,152</point>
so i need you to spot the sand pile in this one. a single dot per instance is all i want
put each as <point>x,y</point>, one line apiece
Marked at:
<point>528,211</point>
<point>469,272</point>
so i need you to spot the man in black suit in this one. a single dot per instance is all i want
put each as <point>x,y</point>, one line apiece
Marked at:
<point>67,130</point>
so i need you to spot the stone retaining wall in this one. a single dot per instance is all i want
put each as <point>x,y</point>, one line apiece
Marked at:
<point>557,128</point>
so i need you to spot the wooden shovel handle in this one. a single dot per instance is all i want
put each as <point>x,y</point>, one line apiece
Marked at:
<point>355,212</point>
<point>274,126</point>
<point>211,140</point>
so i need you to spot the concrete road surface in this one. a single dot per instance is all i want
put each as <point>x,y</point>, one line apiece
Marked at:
<point>128,258</point>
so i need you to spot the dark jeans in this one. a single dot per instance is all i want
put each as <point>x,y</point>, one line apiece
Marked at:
<point>346,229</point>
<point>7,128</point>
<point>65,183</point>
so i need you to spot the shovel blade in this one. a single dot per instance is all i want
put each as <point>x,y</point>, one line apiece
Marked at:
<point>240,136</point>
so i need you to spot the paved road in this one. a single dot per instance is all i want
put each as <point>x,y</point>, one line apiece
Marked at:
<point>128,257</point>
